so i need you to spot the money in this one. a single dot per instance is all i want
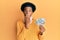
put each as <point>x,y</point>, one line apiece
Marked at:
<point>40,21</point>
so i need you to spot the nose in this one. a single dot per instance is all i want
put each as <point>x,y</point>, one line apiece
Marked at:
<point>27,12</point>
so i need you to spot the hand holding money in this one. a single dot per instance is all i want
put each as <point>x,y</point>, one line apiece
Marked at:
<point>40,22</point>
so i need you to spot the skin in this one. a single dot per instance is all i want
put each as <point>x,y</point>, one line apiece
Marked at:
<point>28,13</point>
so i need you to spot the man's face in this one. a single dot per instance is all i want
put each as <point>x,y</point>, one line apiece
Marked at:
<point>28,11</point>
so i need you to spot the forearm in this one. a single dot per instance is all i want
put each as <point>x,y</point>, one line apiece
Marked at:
<point>27,21</point>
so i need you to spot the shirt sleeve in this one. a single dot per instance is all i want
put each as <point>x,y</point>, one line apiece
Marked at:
<point>19,27</point>
<point>41,37</point>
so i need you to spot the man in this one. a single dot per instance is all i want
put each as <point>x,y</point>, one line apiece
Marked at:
<point>28,29</point>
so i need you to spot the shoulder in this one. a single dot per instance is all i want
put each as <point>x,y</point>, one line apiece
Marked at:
<point>20,23</point>
<point>35,20</point>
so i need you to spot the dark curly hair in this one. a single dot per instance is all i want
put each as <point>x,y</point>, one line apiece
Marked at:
<point>28,4</point>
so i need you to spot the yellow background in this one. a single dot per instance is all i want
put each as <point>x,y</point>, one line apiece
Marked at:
<point>10,13</point>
